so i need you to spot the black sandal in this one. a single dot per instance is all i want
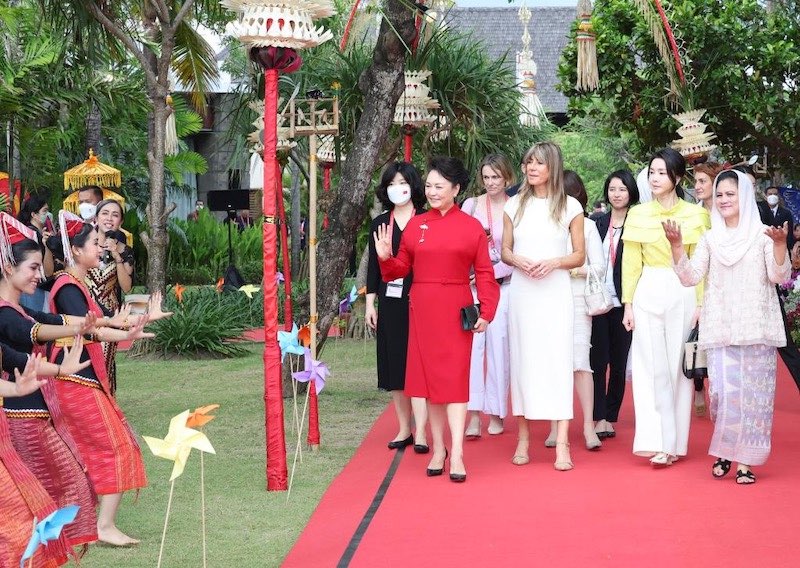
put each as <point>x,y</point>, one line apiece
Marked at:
<point>724,465</point>
<point>748,475</point>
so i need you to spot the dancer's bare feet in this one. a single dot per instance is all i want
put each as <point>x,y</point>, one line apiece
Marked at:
<point>114,537</point>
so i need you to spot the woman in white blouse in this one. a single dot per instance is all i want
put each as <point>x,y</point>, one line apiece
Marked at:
<point>740,322</point>
<point>581,368</point>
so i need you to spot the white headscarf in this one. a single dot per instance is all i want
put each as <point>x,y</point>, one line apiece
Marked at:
<point>729,245</point>
<point>643,183</point>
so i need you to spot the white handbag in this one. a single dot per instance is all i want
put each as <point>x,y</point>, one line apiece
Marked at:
<point>595,294</point>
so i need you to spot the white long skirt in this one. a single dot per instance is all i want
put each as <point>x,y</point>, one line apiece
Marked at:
<point>662,396</point>
<point>489,366</point>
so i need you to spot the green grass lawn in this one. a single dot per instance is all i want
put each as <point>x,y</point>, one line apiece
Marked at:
<point>246,525</point>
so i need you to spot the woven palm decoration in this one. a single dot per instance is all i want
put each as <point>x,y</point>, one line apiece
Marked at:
<point>588,77</point>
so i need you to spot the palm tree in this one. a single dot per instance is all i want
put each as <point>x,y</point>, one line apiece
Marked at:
<point>160,36</point>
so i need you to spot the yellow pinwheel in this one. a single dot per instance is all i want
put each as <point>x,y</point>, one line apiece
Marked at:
<point>249,290</point>
<point>178,443</point>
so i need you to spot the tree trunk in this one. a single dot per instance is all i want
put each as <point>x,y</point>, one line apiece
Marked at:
<point>156,240</point>
<point>382,84</point>
<point>363,264</point>
<point>94,123</point>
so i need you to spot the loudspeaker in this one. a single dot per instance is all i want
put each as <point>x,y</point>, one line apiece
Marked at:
<point>228,200</point>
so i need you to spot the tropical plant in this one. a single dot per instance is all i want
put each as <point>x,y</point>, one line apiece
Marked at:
<point>161,38</point>
<point>204,322</point>
<point>742,56</point>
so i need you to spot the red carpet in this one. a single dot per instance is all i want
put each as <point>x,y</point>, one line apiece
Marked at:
<point>613,509</point>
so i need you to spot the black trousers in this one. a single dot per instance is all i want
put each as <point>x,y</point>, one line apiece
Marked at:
<point>789,354</point>
<point>610,345</point>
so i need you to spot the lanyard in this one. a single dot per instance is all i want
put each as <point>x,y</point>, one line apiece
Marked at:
<point>612,246</point>
<point>489,216</point>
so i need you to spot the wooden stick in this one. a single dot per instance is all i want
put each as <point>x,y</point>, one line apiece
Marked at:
<point>299,443</point>
<point>166,520</point>
<point>203,506</point>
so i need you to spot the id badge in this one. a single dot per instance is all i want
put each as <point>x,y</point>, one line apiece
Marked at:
<point>394,289</point>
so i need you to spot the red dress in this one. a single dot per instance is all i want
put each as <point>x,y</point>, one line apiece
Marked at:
<point>441,250</point>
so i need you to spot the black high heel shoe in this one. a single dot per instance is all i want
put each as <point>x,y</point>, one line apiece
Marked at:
<point>458,477</point>
<point>421,448</point>
<point>434,472</point>
<point>397,444</point>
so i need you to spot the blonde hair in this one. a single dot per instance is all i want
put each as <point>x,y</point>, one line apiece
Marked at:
<point>499,164</point>
<point>549,154</point>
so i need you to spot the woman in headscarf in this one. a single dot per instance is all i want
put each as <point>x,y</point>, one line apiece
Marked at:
<point>740,323</point>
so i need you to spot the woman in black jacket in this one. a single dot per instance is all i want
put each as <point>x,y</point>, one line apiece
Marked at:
<point>610,340</point>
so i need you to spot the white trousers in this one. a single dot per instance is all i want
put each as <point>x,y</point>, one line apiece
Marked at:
<point>662,396</point>
<point>489,366</point>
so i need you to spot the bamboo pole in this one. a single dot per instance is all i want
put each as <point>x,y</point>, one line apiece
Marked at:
<point>313,428</point>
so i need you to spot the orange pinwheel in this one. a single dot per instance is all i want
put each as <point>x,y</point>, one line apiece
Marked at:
<point>304,335</point>
<point>362,290</point>
<point>179,290</point>
<point>200,416</point>
<point>220,284</point>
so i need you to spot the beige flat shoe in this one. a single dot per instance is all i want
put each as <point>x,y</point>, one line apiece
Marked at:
<point>495,427</point>
<point>550,442</point>
<point>521,458</point>
<point>563,465</point>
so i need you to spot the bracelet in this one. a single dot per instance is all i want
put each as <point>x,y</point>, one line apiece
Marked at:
<point>58,372</point>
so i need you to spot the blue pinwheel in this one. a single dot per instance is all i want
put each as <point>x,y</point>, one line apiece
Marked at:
<point>316,371</point>
<point>49,529</point>
<point>344,305</point>
<point>289,342</point>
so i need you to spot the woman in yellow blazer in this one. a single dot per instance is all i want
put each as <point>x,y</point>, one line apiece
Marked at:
<point>660,311</point>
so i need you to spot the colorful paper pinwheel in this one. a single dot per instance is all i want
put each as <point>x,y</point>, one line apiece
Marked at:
<point>316,371</point>
<point>220,285</point>
<point>344,305</point>
<point>200,417</point>
<point>179,290</point>
<point>289,342</point>
<point>49,529</point>
<point>249,290</point>
<point>279,278</point>
<point>178,443</point>
<point>304,335</point>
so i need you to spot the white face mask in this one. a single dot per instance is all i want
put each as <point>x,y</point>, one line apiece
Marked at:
<point>772,200</point>
<point>87,211</point>
<point>399,194</point>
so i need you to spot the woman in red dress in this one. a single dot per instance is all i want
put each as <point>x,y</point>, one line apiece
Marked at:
<point>442,247</point>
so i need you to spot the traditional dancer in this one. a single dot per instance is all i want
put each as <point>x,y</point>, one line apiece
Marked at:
<point>22,498</point>
<point>660,312</point>
<point>740,325</point>
<point>104,437</point>
<point>38,430</point>
<point>113,276</point>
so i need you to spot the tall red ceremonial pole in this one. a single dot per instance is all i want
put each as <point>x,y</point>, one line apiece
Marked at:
<point>273,394</point>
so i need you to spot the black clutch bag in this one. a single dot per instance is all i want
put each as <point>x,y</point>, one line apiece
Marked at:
<point>469,316</point>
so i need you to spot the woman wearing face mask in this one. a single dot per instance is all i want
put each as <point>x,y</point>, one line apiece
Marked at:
<point>35,213</point>
<point>660,312</point>
<point>489,370</point>
<point>400,191</point>
<point>611,342</point>
<point>103,435</point>
<point>442,247</point>
<point>113,276</point>
<point>740,327</point>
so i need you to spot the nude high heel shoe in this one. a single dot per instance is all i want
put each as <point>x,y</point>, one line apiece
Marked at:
<point>563,465</point>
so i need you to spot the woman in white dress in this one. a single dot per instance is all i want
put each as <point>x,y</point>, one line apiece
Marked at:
<point>489,370</point>
<point>582,333</point>
<point>539,222</point>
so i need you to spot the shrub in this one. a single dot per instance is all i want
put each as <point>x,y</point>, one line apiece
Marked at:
<point>206,322</point>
